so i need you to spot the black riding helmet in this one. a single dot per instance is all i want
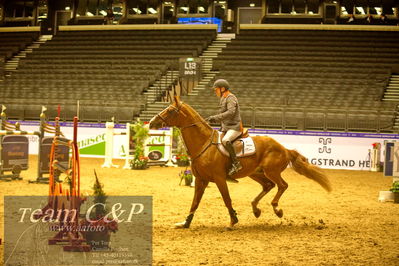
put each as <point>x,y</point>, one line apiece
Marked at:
<point>221,83</point>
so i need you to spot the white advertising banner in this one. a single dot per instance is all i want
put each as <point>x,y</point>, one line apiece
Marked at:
<point>91,139</point>
<point>332,150</point>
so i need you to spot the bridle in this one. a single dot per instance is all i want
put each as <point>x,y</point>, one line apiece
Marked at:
<point>176,111</point>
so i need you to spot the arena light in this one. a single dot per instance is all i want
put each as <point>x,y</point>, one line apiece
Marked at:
<point>102,12</point>
<point>67,8</point>
<point>89,14</point>
<point>138,11</point>
<point>201,9</point>
<point>343,11</point>
<point>152,10</point>
<point>252,4</point>
<point>378,10</point>
<point>361,10</point>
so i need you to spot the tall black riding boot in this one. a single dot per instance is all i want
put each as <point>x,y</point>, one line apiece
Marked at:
<point>235,164</point>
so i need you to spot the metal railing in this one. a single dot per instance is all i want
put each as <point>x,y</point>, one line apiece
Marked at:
<point>167,82</point>
<point>291,118</point>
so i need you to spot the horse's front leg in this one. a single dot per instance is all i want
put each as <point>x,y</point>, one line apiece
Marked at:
<point>224,190</point>
<point>200,186</point>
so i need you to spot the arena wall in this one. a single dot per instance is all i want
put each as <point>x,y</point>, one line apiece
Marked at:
<point>331,150</point>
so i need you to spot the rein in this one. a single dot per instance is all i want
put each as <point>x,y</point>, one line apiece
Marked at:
<point>191,125</point>
<point>204,148</point>
<point>208,144</point>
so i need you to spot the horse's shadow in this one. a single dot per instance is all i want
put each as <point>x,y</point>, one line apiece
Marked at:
<point>256,228</point>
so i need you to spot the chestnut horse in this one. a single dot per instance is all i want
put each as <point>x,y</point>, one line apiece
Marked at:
<point>210,165</point>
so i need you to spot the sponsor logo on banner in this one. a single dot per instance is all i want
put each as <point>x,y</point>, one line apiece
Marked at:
<point>327,158</point>
<point>94,145</point>
<point>325,142</point>
<point>156,153</point>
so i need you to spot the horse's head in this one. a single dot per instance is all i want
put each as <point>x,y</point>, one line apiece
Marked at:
<point>171,116</point>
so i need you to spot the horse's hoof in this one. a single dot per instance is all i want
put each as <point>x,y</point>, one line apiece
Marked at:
<point>233,221</point>
<point>279,213</point>
<point>231,225</point>
<point>229,228</point>
<point>257,213</point>
<point>180,225</point>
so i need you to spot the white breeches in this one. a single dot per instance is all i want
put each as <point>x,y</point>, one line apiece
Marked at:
<point>231,134</point>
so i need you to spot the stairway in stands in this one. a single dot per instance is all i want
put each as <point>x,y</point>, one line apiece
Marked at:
<point>392,91</point>
<point>161,85</point>
<point>392,94</point>
<point>154,106</point>
<point>154,103</point>
<point>12,64</point>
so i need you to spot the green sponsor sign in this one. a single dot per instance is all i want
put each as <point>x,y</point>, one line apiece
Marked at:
<point>92,146</point>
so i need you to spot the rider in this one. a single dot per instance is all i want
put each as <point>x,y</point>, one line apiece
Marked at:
<point>230,119</point>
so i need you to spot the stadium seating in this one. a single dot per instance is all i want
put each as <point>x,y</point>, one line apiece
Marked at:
<point>13,42</point>
<point>106,70</point>
<point>298,75</point>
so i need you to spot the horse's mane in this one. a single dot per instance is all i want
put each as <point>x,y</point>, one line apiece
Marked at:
<point>194,114</point>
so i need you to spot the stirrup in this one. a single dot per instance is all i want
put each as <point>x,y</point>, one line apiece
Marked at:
<point>235,167</point>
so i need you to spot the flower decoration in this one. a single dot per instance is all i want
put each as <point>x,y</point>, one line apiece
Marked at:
<point>187,176</point>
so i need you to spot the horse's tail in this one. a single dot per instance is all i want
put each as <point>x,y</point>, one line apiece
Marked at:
<point>301,165</point>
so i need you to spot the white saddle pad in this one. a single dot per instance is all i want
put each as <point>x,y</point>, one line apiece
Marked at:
<point>248,147</point>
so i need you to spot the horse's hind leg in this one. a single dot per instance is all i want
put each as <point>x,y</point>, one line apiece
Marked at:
<point>266,184</point>
<point>276,178</point>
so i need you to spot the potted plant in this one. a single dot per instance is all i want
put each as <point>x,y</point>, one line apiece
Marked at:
<point>99,227</point>
<point>182,158</point>
<point>395,191</point>
<point>139,162</point>
<point>139,134</point>
<point>187,176</point>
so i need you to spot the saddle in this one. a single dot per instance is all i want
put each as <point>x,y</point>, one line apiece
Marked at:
<point>243,144</point>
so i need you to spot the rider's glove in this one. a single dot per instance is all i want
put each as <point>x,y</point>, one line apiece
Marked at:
<point>211,119</point>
